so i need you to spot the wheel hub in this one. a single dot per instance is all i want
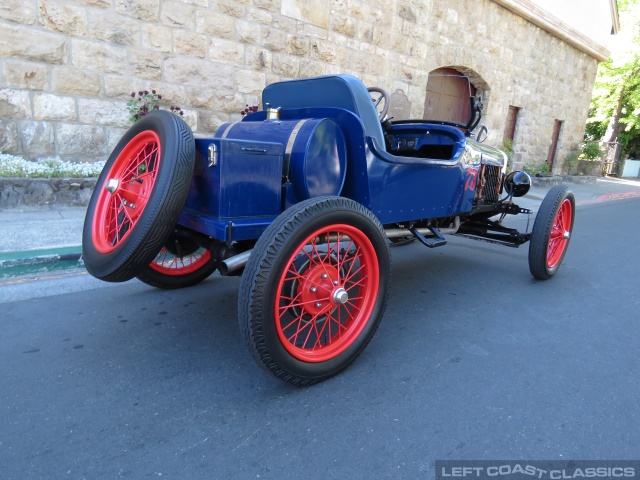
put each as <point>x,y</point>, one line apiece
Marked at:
<point>320,290</point>
<point>112,185</point>
<point>340,296</point>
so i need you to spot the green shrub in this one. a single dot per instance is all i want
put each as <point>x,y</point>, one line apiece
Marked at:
<point>571,162</point>
<point>534,169</point>
<point>590,151</point>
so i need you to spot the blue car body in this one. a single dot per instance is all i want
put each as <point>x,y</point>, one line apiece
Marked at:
<point>328,140</point>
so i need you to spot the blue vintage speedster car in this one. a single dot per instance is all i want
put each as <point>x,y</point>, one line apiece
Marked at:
<point>303,199</point>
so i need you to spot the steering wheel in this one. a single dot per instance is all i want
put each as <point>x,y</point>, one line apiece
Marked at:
<point>377,99</point>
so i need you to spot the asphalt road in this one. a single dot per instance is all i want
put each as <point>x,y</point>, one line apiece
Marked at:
<point>474,359</point>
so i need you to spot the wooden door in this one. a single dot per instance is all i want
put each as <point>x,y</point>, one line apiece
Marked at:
<point>554,143</point>
<point>447,97</point>
<point>510,124</point>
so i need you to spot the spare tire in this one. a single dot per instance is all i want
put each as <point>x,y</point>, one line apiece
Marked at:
<point>138,197</point>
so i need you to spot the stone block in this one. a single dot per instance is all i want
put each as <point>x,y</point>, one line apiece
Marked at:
<point>103,112</point>
<point>229,7</point>
<point>211,121</point>
<point>63,18</point>
<point>178,14</point>
<point>196,72</point>
<point>38,192</point>
<point>76,81</point>
<point>117,86</point>
<point>99,56</point>
<point>232,103</point>
<point>248,81</point>
<point>274,39</point>
<point>190,44</point>
<point>172,94</point>
<point>286,65</point>
<point>14,103</point>
<point>157,37</point>
<point>344,25</point>
<point>247,32</point>
<point>216,25</point>
<point>258,59</point>
<point>227,52</point>
<point>146,10</point>
<point>311,68</point>
<point>191,117</point>
<point>199,97</point>
<point>9,136</point>
<point>146,64</point>
<point>18,11</point>
<point>114,135</point>
<point>258,16</point>
<point>272,6</point>
<point>315,12</point>
<point>72,139</point>
<point>25,42</point>
<point>48,106</point>
<point>297,45</point>
<point>114,28</point>
<point>94,3</point>
<point>36,138</point>
<point>22,74</point>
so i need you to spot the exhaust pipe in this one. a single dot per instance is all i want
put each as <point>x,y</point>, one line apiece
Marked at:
<point>231,264</point>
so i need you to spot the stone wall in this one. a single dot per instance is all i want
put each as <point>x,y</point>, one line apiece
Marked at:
<point>67,68</point>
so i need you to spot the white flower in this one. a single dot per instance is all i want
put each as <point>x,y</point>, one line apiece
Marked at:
<point>13,166</point>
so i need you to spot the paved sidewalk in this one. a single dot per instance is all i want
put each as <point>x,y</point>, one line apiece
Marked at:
<point>41,239</point>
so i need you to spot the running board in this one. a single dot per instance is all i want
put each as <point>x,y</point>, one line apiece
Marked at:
<point>437,241</point>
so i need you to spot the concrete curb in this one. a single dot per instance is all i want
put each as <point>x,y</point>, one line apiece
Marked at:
<point>14,264</point>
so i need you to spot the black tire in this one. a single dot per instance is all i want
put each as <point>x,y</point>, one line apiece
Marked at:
<point>551,232</point>
<point>280,272</point>
<point>180,263</point>
<point>125,229</point>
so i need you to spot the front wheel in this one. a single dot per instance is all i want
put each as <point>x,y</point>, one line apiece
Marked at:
<point>314,290</point>
<point>551,232</point>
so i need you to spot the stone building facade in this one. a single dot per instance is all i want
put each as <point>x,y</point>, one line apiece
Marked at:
<point>68,67</point>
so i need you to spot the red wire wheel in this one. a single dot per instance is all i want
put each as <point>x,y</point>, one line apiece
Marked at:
<point>560,234</point>
<point>551,232</point>
<point>314,289</point>
<point>167,263</point>
<point>180,263</point>
<point>138,197</point>
<point>326,293</point>
<point>122,200</point>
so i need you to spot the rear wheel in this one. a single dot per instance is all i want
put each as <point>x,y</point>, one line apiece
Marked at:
<point>138,197</point>
<point>551,232</point>
<point>314,290</point>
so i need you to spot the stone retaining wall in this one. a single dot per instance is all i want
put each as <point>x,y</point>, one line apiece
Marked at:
<point>67,68</point>
<point>39,192</point>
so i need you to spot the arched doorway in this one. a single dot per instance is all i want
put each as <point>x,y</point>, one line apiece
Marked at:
<point>447,98</point>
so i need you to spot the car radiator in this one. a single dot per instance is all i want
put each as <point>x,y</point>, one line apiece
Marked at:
<point>489,184</point>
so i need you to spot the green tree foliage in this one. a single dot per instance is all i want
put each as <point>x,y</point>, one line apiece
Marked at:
<point>615,108</point>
